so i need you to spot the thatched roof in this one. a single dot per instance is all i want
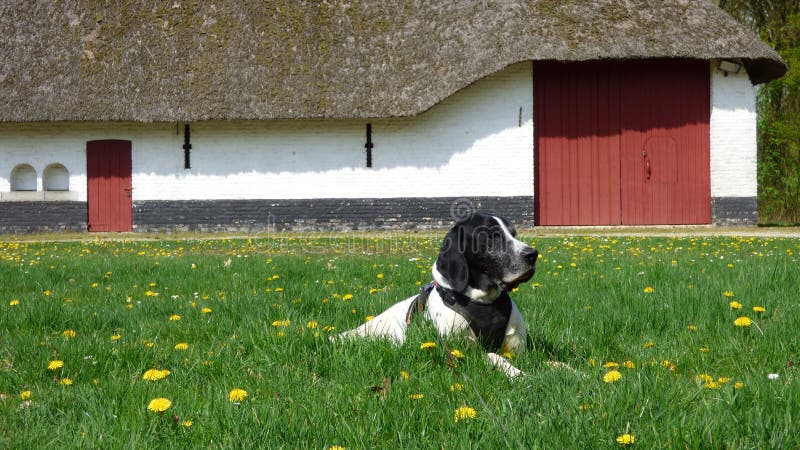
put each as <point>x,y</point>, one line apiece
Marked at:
<point>180,60</point>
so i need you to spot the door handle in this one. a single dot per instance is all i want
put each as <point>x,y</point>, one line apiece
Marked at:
<point>647,170</point>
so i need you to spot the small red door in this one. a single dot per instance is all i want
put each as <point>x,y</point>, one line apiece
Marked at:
<point>665,143</point>
<point>108,170</point>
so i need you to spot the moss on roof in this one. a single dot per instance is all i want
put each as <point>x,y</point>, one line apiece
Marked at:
<point>182,60</point>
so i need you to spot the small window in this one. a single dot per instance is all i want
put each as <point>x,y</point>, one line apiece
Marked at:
<point>23,178</point>
<point>56,178</point>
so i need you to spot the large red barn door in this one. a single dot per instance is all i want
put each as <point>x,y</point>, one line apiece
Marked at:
<point>108,170</point>
<point>622,142</point>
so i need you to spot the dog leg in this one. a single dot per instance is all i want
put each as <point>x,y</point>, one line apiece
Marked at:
<point>503,364</point>
<point>390,324</point>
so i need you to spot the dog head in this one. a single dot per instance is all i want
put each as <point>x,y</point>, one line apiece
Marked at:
<point>481,257</point>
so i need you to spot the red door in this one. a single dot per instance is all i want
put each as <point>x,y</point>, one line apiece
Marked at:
<point>622,143</point>
<point>108,170</point>
<point>665,146</point>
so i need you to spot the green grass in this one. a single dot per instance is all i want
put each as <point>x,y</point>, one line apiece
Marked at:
<point>587,306</point>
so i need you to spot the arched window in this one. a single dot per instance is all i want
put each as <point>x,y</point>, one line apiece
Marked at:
<point>55,178</point>
<point>23,178</point>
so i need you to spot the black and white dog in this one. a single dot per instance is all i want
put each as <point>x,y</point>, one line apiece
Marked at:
<point>480,261</point>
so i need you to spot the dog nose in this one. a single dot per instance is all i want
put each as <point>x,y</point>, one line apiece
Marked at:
<point>530,255</point>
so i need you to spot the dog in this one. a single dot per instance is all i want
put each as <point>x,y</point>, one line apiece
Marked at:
<point>479,263</point>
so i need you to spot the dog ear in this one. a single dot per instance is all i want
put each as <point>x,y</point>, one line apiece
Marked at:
<point>451,262</point>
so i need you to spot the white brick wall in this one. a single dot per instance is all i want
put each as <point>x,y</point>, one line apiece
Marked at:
<point>477,142</point>
<point>733,134</point>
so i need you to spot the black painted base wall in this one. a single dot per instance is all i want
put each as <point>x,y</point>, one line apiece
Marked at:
<point>31,217</point>
<point>735,211</point>
<point>309,215</point>
<point>322,214</point>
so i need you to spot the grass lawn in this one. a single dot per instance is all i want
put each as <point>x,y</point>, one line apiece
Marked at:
<point>234,334</point>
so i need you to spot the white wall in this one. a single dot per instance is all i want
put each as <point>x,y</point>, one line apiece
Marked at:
<point>733,134</point>
<point>478,142</point>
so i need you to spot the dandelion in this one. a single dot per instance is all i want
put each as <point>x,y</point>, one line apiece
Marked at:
<point>281,323</point>
<point>692,327</point>
<point>728,294</point>
<point>735,305</point>
<point>649,290</point>
<point>159,405</point>
<point>404,374</point>
<point>428,345</point>
<point>629,365</point>
<point>347,297</point>
<point>69,334</point>
<point>336,447</point>
<point>457,354</point>
<point>610,365</point>
<point>116,337</point>
<point>612,376</point>
<point>464,413</point>
<point>25,395</point>
<point>738,385</point>
<point>759,309</point>
<point>65,382</point>
<point>649,344</point>
<point>155,374</point>
<point>55,364</point>
<point>416,396</point>
<point>626,439</point>
<point>181,346</point>
<point>186,423</point>
<point>312,325</point>
<point>237,395</point>
<point>379,276</point>
<point>150,293</point>
<point>174,318</point>
<point>743,322</point>
<point>456,387</point>
<point>13,302</point>
<point>206,310</point>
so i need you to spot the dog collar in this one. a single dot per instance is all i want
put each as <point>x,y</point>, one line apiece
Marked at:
<point>487,320</point>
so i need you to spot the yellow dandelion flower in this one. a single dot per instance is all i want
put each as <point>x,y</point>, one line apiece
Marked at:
<point>47,292</point>
<point>416,396</point>
<point>612,376</point>
<point>159,405</point>
<point>457,354</point>
<point>404,374</point>
<point>336,447</point>
<point>368,318</point>
<point>626,439</point>
<point>281,323</point>
<point>427,345</point>
<point>55,364</point>
<point>464,413</point>
<point>728,294</point>
<point>738,385</point>
<point>373,290</point>
<point>14,302</point>
<point>649,290</point>
<point>610,365</point>
<point>65,382</point>
<point>743,322</point>
<point>206,310</point>
<point>379,276</point>
<point>150,293</point>
<point>347,297</point>
<point>649,344</point>
<point>186,423</point>
<point>69,334</point>
<point>692,327</point>
<point>155,374</point>
<point>629,365</point>
<point>456,387</point>
<point>181,346</point>
<point>174,318</point>
<point>237,395</point>
<point>116,337</point>
<point>704,349</point>
<point>25,395</point>
<point>312,325</point>
<point>735,305</point>
<point>759,309</point>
